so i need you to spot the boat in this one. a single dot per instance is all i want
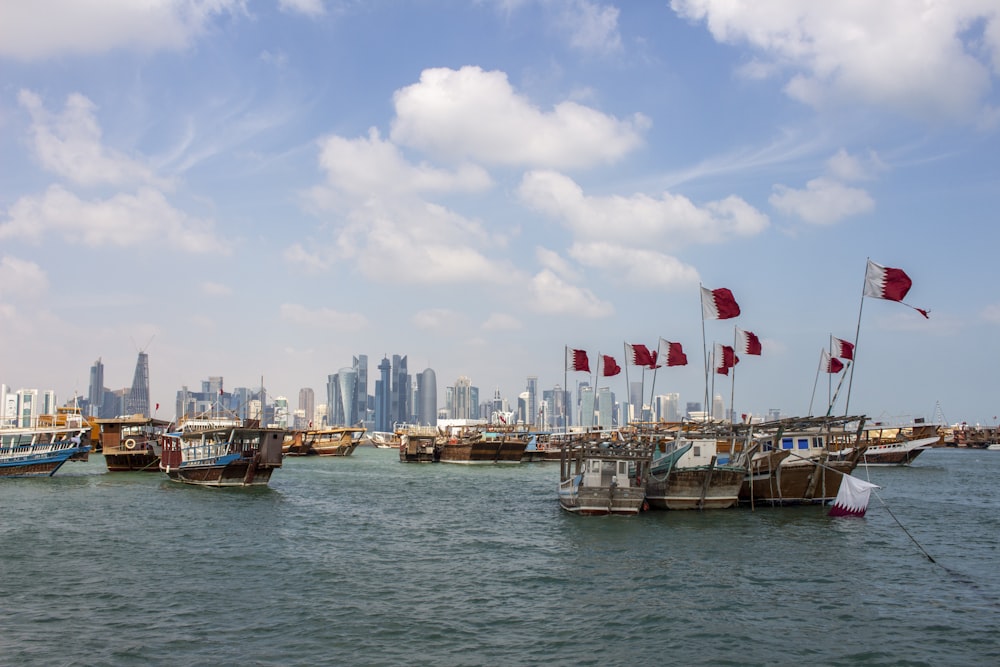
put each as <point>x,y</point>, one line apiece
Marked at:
<point>894,446</point>
<point>330,441</point>
<point>419,444</point>
<point>994,447</point>
<point>790,462</point>
<point>479,446</point>
<point>224,455</point>
<point>40,450</point>
<point>604,477</point>
<point>132,443</point>
<point>384,439</point>
<point>686,474</point>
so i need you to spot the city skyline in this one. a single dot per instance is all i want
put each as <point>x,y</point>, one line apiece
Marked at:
<point>263,189</point>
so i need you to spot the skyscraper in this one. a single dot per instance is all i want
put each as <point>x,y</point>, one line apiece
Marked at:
<point>383,418</point>
<point>532,415</point>
<point>360,366</point>
<point>137,402</point>
<point>427,398</point>
<point>307,403</point>
<point>462,407</point>
<point>95,393</point>
<point>400,392</point>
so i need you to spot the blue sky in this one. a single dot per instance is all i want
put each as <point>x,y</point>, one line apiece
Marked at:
<point>265,189</point>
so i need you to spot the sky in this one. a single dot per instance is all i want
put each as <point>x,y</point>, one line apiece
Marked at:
<point>261,190</point>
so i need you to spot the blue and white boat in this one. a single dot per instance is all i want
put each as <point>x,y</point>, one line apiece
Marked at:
<point>39,451</point>
<point>216,454</point>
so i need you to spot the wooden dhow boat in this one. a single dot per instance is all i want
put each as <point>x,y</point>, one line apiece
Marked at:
<point>224,455</point>
<point>330,441</point>
<point>789,461</point>
<point>894,446</point>
<point>604,477</point>
<point>40,450</point>
<point>131,444</point>
<point>479,446</point>
<point>419,444</point>
<point>686,474</point>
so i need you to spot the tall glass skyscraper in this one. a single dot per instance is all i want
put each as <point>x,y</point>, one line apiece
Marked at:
<point>383,418</point>
<point>137,402</point>
<point>95,393</point>
<point>427,398</point>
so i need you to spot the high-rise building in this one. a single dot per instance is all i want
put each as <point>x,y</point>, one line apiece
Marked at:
<point>307,404</point>
<point>383,416</point>
<point>586,406</point>
<point>347,383</point>
<point>522,407</point>
<point>462,403</point>
<point>400,392</point>
<point>532,388</point>
<point>426,398</point>
<point>718,408</point>
<point>95,392</point>
<point>137,402</point>
<point>605,407</point>
<point>360,365</point>
<point>281,416</point>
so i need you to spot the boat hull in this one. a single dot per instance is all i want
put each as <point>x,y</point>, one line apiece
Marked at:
<point>238,473</point>
<point>696,488</point>
<point>600,501</point>
<point>895,454</point>
<point>138,461</point>
<point>796,483</point>
<point>38,464</point>
<point>483,451</point>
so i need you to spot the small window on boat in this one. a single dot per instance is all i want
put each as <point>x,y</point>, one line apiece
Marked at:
<point>768,446</point>
<point>786,443</point>
<point>818,442</point>
<point>803,443</point>
<point>697,450</point>
<point>623,468</point>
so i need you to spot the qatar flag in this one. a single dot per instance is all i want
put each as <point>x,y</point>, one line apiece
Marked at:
<point>673,353</point>
<point>718,304</point>
<point>725,358</point>
<point>883,282</point>
<point>852,498</point>
<point>576,360</point>
<point>748,342</point>
<point>639,355</point>
<point>611,367</point>
<point>832,364</point>
<point>843,349</point>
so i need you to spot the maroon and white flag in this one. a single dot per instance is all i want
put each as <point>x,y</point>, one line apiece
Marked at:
<point>611,367</point>
<point>639,355</point>
<point>576,360</point>
<point>725,358</point>
<point>883,282</point>
<point>832,364</point>
<point>852,498</point>
<point>841,348</point>
<point>672,353</point>
<point>718,304</point>
<point>748,342</point>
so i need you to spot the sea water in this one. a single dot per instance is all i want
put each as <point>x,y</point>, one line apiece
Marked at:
<point>368,561</point>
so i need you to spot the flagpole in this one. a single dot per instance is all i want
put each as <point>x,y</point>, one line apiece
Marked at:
<point>711,396</point>
<point>597,374</point>
<point>836,393</point>
<point>857,334</point>
<point>732,386</point>
<point>815,383</point>
<point>565,379</point>
<point>704,343</point>
<point>628,387</point>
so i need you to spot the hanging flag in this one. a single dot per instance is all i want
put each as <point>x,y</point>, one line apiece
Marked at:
<point>883,282</point>
<point>672,353</point>
<point>748,341</point>
<point>611,366</point>
<point>852,498</point>
<point>725,358</point>
<point>832,364</point>
<point>718,304</point>
<point>639,355</point>
<point>576,360</point>
<point>841,348</point>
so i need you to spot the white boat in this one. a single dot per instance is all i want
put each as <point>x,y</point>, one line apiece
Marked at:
<point>604,477</point>
<point>893,446</point>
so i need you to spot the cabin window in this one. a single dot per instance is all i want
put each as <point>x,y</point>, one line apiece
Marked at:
<point>786,443</point>
<point>803,443</point>
<point>768,446</point>
<point>623,468</point>
<point>818,442</point>
<point>697,450</point>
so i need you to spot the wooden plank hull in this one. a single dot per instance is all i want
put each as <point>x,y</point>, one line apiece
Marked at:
<point>237,473</point>
<point>696,488</point>
<point>37,464</point>
<point>137,461</point>
<point>501,450</point>
<point>599,501</point>
<point>796,483</point>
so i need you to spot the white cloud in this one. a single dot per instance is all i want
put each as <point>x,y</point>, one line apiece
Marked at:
<point>822,202</point>
<point>502,322</point>
<point>635,266</point>
<point>20,279</point>
<point>639,220</point>
<point>46,28</point>
<point>554,262</point>
<point>214,289</point>
<point>371,166</point>
<point>473,114</point>
<point>846,167</point>
<point>70,145</point>
<point>591,26</point>
<point>123,220</point>
<point>437,319</point>
<point>322,318</point>
<point>917,58</point>
<point>552,295</point>
<point>991,313</point>
<point>310,8</point>
<point>310,262</point>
